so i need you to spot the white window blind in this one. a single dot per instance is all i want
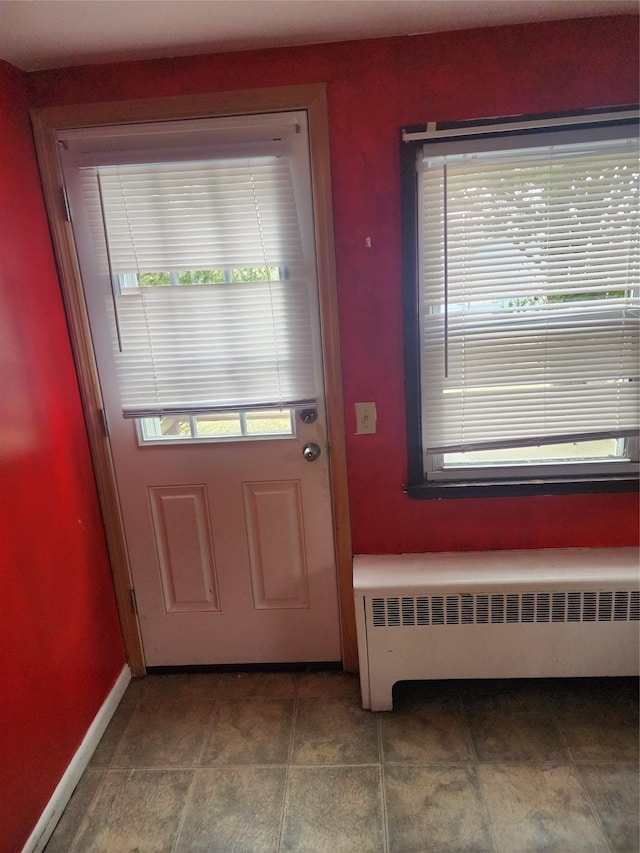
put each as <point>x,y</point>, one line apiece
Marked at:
<point>189,348</point>
<point>214,347</point>
<point>201,215</point>
<point>529,312</point>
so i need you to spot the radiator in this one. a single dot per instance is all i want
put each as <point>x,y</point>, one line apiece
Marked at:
<point>495,614</point>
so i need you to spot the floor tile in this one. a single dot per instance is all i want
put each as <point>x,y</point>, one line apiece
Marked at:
<point>164,734</point>
<point>333,810</point>
<point>539,808</point>
<point>622,691</point>
<point>135,810</point>
<point>334,731</point>
<point>424,690</point>
<point>271,685</point>
<point>422,731</point>
<point>531,688</point>
<point>555,771</point>
<point>234,810</point>
<point>111,738</point>
<point>257,732</point>
<point>339,685</point>
<point>599,721</point>
<point>180,686</point>
<point>615,794</point>
<point>514,727</point>
<point>73,815</point>
<point>435,808</point>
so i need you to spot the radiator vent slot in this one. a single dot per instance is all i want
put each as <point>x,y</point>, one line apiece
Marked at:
<point>605,608</point>
<point>467,609</point>
<point>408,611</point>
<point>422,609</point>
<point>574,607</point>
<point>482,609</point>
<point>378,612</point>
<point>497,608</point>
<point>542,606</point>
<point>393,611</point>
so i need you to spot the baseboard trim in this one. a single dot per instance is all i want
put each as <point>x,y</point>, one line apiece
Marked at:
<point>78,764</point>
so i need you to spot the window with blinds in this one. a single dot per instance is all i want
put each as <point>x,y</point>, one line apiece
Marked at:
<point>211,278</point>
<point>527,278</point>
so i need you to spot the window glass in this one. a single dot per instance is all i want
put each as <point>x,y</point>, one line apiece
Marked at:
<point>168,278</point>
<point>212,426</point>
<point>268,423</point>
<point>578,451</point>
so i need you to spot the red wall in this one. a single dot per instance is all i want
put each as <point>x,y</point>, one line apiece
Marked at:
<point>59,633</point>
<point>375,87</point>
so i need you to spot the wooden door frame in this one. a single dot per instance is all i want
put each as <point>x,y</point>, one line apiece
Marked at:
<point>312,98</point>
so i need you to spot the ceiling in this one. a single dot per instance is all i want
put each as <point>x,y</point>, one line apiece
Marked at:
<point>40,34</point>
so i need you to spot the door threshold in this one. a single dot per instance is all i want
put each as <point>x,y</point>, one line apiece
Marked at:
<point>314,666</point>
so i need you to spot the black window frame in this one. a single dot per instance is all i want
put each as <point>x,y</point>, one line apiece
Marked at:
<point>418,486</point>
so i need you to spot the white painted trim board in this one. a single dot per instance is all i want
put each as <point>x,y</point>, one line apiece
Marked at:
<point>53,811</point>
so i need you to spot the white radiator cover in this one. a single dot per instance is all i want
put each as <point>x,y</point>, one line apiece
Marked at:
<point>495,614</point>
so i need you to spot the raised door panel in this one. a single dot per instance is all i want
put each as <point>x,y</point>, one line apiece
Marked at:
<point>275,536</point>
<point>182,533</point>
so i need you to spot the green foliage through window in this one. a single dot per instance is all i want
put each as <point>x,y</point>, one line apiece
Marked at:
<point>217,276</point>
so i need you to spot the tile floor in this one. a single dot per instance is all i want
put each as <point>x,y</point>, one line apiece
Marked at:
<point>288,761</point>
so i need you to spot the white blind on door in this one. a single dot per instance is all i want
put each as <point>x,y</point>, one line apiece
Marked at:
<point>191,347</point>
<point>201,215</point>
<point>529,312</point>
<point>213,347</point>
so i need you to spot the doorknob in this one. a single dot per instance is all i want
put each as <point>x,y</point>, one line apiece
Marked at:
<point>311,451</point>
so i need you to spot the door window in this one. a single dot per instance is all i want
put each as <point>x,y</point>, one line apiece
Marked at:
<point>216,426</point>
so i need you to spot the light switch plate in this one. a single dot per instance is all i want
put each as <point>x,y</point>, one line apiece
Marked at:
<point>365,418</point>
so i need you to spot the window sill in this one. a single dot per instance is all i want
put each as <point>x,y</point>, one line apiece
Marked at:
<point>444,490</point>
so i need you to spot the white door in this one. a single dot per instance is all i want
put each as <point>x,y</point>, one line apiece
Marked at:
<point>195,242</point>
